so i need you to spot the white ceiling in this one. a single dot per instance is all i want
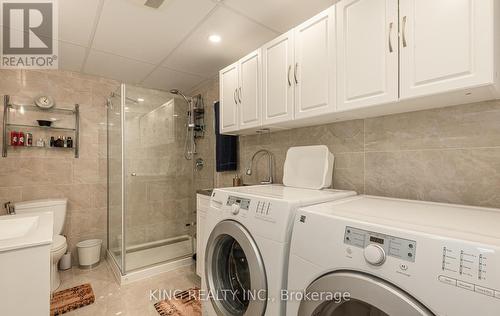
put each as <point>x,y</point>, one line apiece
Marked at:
<point>168,47</point>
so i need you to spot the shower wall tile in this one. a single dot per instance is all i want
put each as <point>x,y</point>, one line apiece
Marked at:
<point>28,174</point>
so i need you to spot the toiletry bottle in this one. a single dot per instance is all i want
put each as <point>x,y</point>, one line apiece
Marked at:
<point>14,137</point>
<point>52,141</point>
<point>58,142</point>
<point>29,139</point>
<point>70,142</point>
<point>20,141</point>
<point>236,181</point>
<point>65,142</point>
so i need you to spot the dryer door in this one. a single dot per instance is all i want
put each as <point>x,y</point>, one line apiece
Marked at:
<point>369,296</point>
<point>234,271</point>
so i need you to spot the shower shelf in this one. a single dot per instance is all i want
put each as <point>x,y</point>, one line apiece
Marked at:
<point>7,125</point>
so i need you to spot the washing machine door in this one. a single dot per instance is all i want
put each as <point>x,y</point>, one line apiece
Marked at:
<point>369,296</point>
<point>234,271</point>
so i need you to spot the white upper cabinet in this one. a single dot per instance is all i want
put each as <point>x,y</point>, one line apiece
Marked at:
<point>278,81</point>
<point>249,91</point>
<point>445,45</point>
<point>363,58</point>
<point>367,53</point>
<point>228,108</point>
<point>314,68</point>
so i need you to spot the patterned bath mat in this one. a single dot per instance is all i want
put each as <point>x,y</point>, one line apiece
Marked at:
<point>70,299</point>
<point>185,303</point>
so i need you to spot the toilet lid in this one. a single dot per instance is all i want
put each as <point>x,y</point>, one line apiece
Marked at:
<point>58,242</point>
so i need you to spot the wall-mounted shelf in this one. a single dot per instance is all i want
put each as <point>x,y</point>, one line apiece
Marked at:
<point>8,125</point>
<point>41,127</point>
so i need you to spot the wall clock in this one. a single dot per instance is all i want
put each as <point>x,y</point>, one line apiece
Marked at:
<point>44,102</point>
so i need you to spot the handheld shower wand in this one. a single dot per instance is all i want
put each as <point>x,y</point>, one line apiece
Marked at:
<point>189,149</point>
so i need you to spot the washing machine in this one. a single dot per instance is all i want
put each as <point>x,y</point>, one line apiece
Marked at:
<point>379,256</point>
<point>246,256</point>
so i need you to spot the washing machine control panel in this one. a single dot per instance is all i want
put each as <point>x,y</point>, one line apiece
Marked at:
<point>242,202</point>
<point>392,246</point>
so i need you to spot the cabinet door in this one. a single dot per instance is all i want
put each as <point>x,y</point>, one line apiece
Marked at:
<point>445,45</point>
<point>278,80</point>
<point>249,90</point>
<point>367,53</point>
<point>314,69</point>
<point>228,112</point>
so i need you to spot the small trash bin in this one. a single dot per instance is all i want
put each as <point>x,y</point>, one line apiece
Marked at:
<point>89,253</point>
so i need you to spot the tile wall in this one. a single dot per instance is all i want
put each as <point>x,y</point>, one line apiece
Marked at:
<point>37,173</point>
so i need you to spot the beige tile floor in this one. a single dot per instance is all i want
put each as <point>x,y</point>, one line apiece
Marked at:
<point>126,300</point>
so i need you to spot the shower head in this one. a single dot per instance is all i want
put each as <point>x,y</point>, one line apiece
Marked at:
<point>178,92</point>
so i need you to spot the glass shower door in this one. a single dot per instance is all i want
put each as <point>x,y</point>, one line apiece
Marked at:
<point>158,179</point>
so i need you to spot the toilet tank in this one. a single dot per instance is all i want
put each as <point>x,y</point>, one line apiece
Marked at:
<point>56,206</point>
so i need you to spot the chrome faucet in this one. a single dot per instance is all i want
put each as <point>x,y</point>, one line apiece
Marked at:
<point>270,165</point>
<point>9,208</point>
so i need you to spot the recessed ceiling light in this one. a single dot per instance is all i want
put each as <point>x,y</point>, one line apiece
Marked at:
<point>140,99</point>
<point>214,38</point>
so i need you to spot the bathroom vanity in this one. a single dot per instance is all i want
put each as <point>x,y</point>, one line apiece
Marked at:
<point>25,243</point>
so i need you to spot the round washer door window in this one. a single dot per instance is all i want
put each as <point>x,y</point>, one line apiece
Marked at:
<point>369,296</point>
<point>234,271</point>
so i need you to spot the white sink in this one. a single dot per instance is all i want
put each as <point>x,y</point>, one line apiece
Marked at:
<point>26,230</point>
<point>17,227</point>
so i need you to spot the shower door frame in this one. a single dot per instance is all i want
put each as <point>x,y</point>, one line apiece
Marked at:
<point>123,182</point>
<point>123,100</point>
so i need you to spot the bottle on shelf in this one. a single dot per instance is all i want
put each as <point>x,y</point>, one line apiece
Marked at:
<point>52,141</point>
<point>29,139</point>
<point>14,138</point>
<point>70,142</point>
<point>20,141</point>
<point>58,142</point>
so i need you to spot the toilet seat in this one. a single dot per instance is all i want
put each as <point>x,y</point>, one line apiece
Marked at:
<point>58,243</point>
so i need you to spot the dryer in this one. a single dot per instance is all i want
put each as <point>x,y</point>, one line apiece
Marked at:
<point>394,257</point>
<point>246,256</point>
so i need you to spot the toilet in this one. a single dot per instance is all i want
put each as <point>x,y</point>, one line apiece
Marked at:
<point>59,245</point>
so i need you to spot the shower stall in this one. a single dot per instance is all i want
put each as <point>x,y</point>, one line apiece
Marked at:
<point>150,182</point>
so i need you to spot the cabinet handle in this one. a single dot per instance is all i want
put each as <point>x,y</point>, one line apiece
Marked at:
<point>295,73</point>
<point>404,31</point>
<point>239,95</point>
<point>288,75</point>
<point>390,37</point>
<point>234,96</point>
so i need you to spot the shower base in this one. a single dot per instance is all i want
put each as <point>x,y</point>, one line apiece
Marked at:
<point>149,259</point>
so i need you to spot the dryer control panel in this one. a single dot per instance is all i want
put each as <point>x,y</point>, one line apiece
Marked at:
<point>242,202</point>
<point>396,247</point>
